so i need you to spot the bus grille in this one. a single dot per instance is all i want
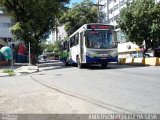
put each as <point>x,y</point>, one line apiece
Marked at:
<point>103,52</point>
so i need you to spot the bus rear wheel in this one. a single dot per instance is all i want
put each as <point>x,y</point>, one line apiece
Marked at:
<point>66,63</point>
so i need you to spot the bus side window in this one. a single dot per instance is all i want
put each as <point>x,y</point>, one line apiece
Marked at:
<point>68,46</point>
<point>84,33</point>
<point>81,36</point>
<point>72,41</point>
<point>76,39</point>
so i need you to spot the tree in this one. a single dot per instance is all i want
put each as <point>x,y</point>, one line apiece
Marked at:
<point>140,22</point>
<point>50,47</point>
<point>79,14</point>
<point>33,19</point>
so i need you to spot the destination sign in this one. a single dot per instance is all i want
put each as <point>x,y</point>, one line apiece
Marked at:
<point>96,26</point>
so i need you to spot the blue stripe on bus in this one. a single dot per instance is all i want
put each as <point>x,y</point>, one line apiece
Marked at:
<point>63,59</point>
<point>72,61</point>
<point>101,60</point>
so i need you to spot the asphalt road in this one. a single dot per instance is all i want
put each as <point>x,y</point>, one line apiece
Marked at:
<point>60,89</point>
<point>118,88</point>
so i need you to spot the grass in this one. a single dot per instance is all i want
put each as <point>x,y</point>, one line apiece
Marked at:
<point>9,71</point>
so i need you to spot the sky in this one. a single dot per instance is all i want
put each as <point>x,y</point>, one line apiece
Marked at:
<point>75,1</point>
<point>78,1</point>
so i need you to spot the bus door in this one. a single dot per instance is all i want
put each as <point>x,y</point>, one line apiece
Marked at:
<point>81,46</point>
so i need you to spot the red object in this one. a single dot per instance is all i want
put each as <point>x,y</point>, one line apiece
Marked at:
<point>22,49</point>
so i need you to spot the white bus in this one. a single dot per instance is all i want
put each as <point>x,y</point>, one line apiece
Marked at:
<point>93,43</point>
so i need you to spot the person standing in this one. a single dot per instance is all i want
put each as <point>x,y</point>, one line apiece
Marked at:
<point>21,53</point>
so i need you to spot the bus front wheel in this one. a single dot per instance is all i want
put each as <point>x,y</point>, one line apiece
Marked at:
<point>104,65</point>
<point>79,64</point>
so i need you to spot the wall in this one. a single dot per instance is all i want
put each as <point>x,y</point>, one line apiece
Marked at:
<point>5,23</point>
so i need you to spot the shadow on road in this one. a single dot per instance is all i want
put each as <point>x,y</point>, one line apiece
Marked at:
<point>112,66</point>
<point>52,65</point>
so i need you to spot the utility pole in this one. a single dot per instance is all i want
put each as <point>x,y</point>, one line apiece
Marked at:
<point>98,12</point>
<point>11,55</point>
<point>29,55</point>
<point>98,15</point>
<point>113,15</point>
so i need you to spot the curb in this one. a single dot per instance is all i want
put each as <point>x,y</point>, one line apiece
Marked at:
<point>139,61</point>
<point>153,61</point>
<point>18,73</point>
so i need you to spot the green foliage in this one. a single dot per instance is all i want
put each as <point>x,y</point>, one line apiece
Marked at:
<point>50,47</point>
<point>9,71</point>
<point>57,45</point>
<point>79,14</point>
<point>43,46</point>
<point>33,19</point>
<point>140,21</point>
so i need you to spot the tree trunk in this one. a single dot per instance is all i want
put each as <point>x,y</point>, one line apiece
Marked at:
<point>34,55</point>
<point>144,52</point>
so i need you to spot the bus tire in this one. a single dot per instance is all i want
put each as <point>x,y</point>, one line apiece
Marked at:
<point>79,64</point>
<point>104,65</point>
<point>66,63</point>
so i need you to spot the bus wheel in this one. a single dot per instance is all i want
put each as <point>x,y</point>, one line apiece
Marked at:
<point>104,65</point>
<point>79,64</point>
<point>66,63</point>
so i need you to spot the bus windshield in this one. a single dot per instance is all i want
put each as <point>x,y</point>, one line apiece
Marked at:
<point>98,39</point>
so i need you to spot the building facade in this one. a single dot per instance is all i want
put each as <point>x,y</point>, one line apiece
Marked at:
<point>5,24</point>
<point>58,34</point>
<point>109,11</point>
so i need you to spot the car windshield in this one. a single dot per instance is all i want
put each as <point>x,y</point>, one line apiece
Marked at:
<point>98,39</point>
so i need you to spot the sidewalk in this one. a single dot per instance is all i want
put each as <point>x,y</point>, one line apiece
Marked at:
<point>19,69</point>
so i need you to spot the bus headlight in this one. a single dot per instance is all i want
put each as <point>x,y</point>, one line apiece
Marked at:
<point>113,53</point>
<point>91,54</point>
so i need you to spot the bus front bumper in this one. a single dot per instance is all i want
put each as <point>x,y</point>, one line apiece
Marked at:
<point>100,60</point>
